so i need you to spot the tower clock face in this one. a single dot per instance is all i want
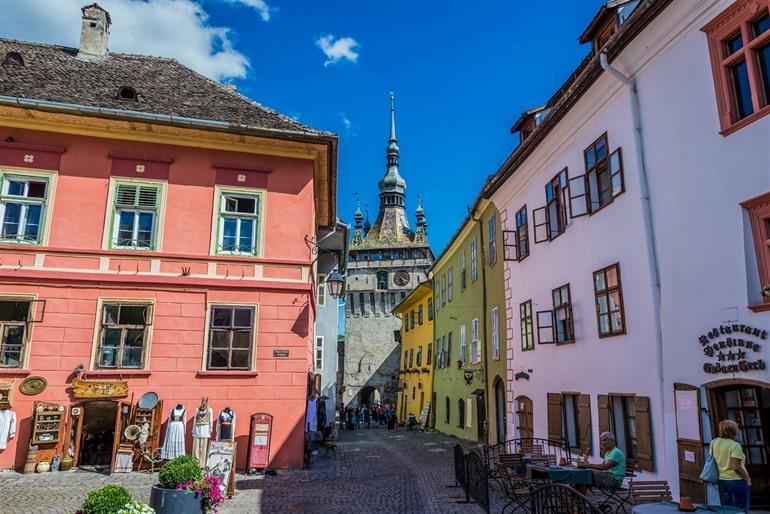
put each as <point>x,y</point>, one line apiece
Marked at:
<point>401,278</point>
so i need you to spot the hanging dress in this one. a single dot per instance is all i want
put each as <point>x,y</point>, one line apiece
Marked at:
<point>173,446</point>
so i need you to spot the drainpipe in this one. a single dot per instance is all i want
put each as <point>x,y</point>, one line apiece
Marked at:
<point>483,323</point>
<point>649,226</point>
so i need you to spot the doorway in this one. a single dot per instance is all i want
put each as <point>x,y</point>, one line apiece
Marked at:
<point>97,434</point>
<point>524,415</point>
<point>481,416</point>
<point>500,410</point>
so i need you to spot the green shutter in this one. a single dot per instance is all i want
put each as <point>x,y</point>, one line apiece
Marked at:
<point>137,195</point>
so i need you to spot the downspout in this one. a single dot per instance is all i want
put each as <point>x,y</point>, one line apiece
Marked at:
<point>649,226</point>
<point>483,322</point>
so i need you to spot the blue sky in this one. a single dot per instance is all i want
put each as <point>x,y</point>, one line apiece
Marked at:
<point>462,72</point>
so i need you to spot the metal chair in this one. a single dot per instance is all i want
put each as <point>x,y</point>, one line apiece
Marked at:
<point>650,491</point>
<point>514,486</point>
<point>560,498</point>
<point>620,496</point>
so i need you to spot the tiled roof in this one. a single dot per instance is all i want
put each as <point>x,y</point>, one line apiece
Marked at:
<point>164,86</point>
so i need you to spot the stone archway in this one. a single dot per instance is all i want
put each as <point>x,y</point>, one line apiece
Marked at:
<point>369,395</point>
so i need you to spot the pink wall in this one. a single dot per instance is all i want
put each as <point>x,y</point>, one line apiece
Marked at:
<point>63,335</point>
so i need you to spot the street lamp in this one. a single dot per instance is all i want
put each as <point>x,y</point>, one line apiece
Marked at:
<point>335,283</point>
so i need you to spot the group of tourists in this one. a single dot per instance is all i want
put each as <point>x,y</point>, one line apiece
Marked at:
<point>365,416</point>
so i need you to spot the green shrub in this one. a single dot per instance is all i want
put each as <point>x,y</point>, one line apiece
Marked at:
<point>179,470</point>
<point>106,500</point>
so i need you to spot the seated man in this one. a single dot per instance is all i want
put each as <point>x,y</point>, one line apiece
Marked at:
<point>614,463</point>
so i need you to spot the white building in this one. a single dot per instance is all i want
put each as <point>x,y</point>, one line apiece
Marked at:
<point>637,211</point>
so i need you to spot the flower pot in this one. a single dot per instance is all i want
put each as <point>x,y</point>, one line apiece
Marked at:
<point>171,501</point>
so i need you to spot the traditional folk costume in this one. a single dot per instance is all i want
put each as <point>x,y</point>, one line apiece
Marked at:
<point>7,427</point>
<point>226,425</point>
<point>173,446</point>
<point>201,432</point>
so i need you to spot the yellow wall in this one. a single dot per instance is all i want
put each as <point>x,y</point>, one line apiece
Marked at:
<point>417,379</point>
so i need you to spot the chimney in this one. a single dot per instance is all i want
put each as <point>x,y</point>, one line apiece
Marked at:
<point>94,33</point>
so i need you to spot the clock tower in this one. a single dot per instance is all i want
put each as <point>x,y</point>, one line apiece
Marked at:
<point>387,260</point>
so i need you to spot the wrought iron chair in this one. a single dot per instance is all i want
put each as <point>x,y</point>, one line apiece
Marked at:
<point>558,499</point>
<point>515,487</point>
<point>619,497</point>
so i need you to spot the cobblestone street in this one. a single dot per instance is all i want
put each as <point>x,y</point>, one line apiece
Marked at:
<point>373,471</point>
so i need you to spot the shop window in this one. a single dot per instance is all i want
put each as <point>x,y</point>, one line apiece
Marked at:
<point>239,223</point>
<point>628,418</point>
<point>419,356</point>
<point>461,413</point>
<point>14,329</point>
<point>123,335</point>
<point>430,309</point>
<point>525,326</point>
<point>495,334</point>
<point>492,250</point>
<point>319,353</point>
<point>602,182</point>
<point>231,338</point>
<point>321,291</point>
<point>22,208</point>
<point>609,301</point>
<point>382,280</point>
<point>569,420</point>
<point>739,45</point>
<point>758,210</point>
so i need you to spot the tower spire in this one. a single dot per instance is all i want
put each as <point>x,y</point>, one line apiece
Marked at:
<point>392,116</point>
<point>392,185</point>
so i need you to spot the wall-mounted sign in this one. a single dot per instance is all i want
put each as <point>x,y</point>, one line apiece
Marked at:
<point>733,346</point>
<point>280,353</point>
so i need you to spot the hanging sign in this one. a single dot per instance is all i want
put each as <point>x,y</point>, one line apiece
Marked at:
<point>734,347</point>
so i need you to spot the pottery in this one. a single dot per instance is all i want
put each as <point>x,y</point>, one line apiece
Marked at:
<point>43,467</point>
<point>66,464</point>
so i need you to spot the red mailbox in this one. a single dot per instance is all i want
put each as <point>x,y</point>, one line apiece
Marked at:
<point>259,442</point>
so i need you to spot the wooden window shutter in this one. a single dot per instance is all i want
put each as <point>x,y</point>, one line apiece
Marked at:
<point>604,413</point>
<point>643,433</point>
<point>584,423</point>
<point>554,417</point>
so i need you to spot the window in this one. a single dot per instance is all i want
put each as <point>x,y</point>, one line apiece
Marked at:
<point>411,357</point>
<point>392,299</point>
<point>13,59</point>
<point>231,337</point>
<point>462,271</point>
<point>127,93</point>
<point>525,325</point>
<point>319,353</point>
<point>430,309</point>
<point>373,303</point>
<point>462,344</point>
<point>491,226</point>
<point>22,208</point>
<point>555,193</point>
<point>495,334</point>
<point>406,322</point>
<point>406,359</point>
<point>461,413</point>
<point>448,347</point>
<point>522,234</point>
<point>14,319</point>
<point>569,419</point>
<point>382,280</point>
<point>352,303</point>
<point>429,356</point>
<point>419,314</point>
<point>450,283</point>
<point>446,406</point>
<point>475,343</point>
<point>474,260</point>
<point>622,419</point>
<point>123,335</point>
<point>411,319</point>
<point>135,221</point>
<point>609,301</point>
<point>321,293</point>
<point>739,45</point>
<point>562,315</point>
<point>468,410</point>
<point>758,210</point>
<point>602,182</point>
<point>239,220</point>
<point>439,354</point>
<point>443,289</point>
<point>419,356</point>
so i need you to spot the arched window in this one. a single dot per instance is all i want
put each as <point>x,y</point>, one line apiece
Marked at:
<point>446,414</point>
<point>461,413</point>
<point>13,59</point>
<point>127,93</point>
<point>382,280</point>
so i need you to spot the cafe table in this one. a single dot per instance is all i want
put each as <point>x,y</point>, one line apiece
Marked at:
<point>563,475</point>
<point>673,507</point>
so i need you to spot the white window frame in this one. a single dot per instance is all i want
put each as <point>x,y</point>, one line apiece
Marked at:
<point>318,353</point>
<point>321,291</point>
<point>112,221</point>
<point>97,336</point>
<point>475,343</point>
<point>462,343</point>
<point>217,226</point>
<point>462,271</point>
<point>468,413</point>
<point>474,260</point>
<point>492,226</point>
<point>450,284</point>
<point>5,177</point>
<point>495,334</point>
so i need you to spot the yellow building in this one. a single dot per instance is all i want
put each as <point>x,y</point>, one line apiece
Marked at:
<point>416,369</point>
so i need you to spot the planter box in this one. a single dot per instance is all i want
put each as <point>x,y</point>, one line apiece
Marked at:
<point>171,501</point>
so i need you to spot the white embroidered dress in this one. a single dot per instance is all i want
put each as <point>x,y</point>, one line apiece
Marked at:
<point>7,427</point>
<point>173,446</point>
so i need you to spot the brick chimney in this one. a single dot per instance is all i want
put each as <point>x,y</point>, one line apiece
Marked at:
<point>94,33</point>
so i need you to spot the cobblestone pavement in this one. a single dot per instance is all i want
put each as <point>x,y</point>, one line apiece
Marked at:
<point>374,471</point>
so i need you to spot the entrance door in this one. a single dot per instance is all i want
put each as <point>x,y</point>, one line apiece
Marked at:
<point>749,406</point>
<point>524,413</point>
<point>500,410</point>
<point>97,434</point>
<point>481,416</point>
<point>689,442</point>
<point>121,422</point>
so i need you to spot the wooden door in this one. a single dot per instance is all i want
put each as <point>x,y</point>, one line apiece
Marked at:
<point>122,418</point>
<point>74,430</point>
<point>481,417</point>
<point>689,441</point>
<point>500,411</point>
<point>525,417</point>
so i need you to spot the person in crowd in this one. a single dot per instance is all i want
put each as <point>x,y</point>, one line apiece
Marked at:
<point>613,464</point>
<point>734,481</point>
<point>349,418</point>
<point>367,416</point>
<point>390,415</point>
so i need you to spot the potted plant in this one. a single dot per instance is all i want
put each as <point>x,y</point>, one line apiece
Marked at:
<point>766,292</point>
<point>136,507</point>
<point>183,489</point>
<point>109,498</point>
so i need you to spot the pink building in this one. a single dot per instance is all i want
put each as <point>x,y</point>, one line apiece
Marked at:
<point>152,233</point>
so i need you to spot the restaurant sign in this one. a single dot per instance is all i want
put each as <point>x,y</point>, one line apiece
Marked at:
<point>733,346</point>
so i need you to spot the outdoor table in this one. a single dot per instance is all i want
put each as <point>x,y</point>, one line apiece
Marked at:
<point>673,507</point>
<point>563,474</point>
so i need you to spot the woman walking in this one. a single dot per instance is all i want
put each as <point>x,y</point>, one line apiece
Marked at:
<point>734,480</point>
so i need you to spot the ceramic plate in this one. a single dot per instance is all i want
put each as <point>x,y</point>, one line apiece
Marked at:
<point>33,385</point>
<point>148,400</point>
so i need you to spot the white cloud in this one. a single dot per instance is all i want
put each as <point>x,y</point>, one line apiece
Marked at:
<point>348,125</point>
<point>346,121</point>
<point>338,49</point>
<point>260,5</point>
<point>166,28</point>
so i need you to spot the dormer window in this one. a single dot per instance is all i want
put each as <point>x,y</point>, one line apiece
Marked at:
<point>13,59</point>
<point>127,93</point>
<point>610,17</point>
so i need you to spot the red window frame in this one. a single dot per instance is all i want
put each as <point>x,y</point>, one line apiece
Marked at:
<point>759,216</point>
<point>737,19</point>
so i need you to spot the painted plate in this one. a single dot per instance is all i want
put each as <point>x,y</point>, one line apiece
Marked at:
<point>33,385</point>
<point>148,400</point>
